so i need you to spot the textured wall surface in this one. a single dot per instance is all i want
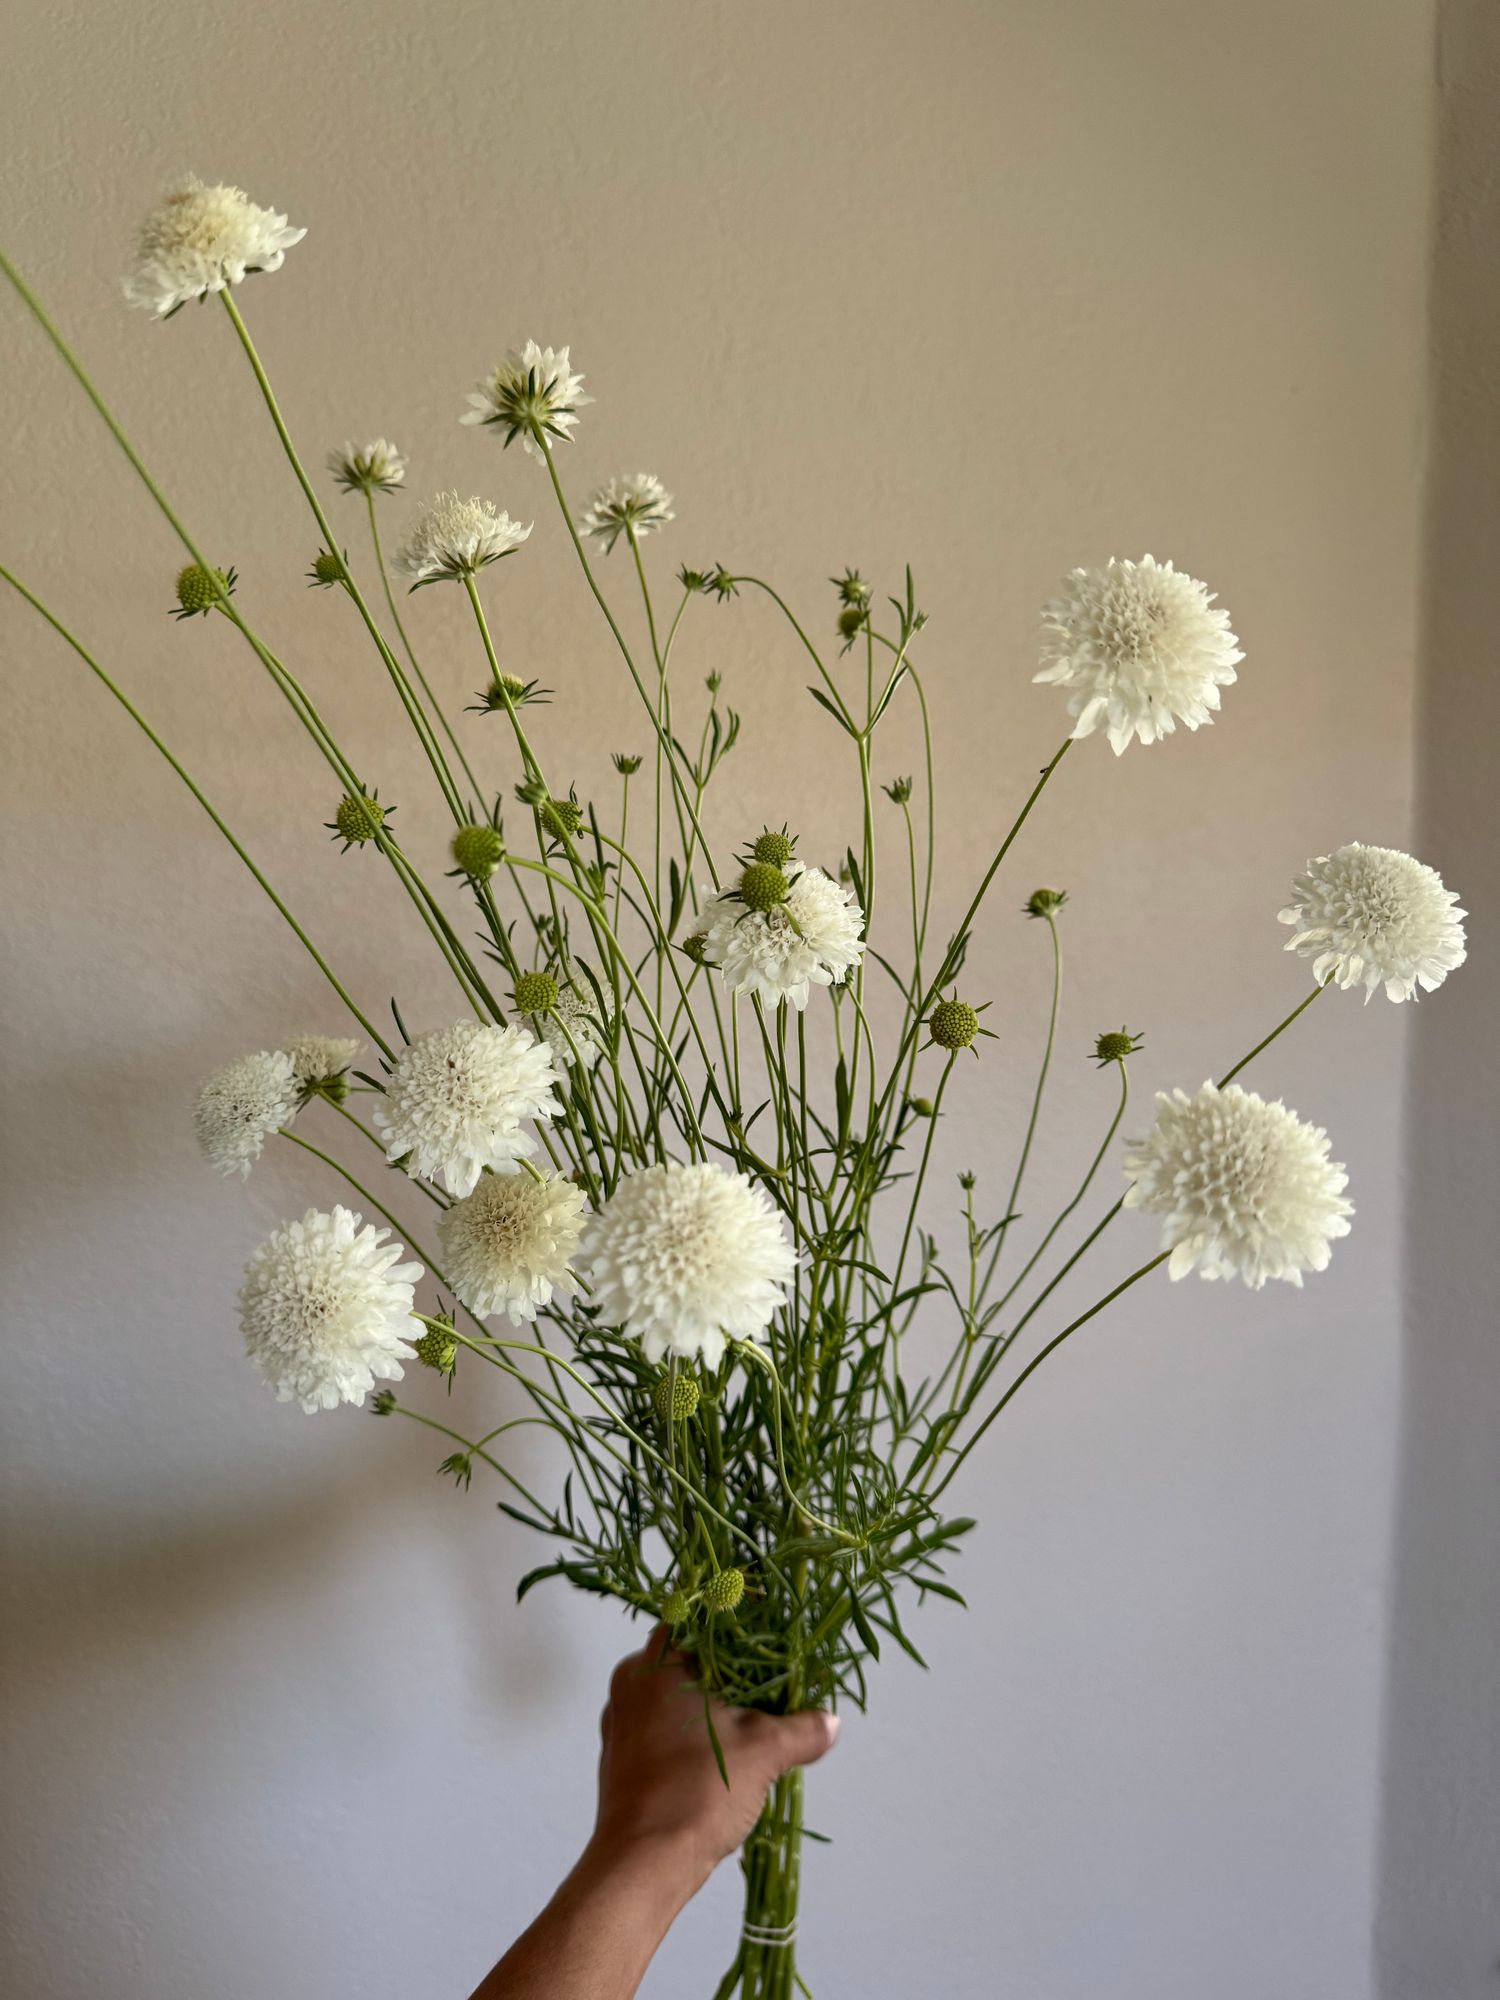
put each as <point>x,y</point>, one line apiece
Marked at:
<point>990,288</point>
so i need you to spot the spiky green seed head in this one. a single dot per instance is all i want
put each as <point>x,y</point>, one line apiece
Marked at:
<point>561,817</point>
<point>677,1608</point>
<point>763,886</point>
<point>898,791</point>
<point>327,568</point>
<point>1045,902</point>
<point>967,1179</point>
<point>626,766</point>
<point>536,992</point>
<point>478,850</point>
<point>1115,1047</point>
<point>199,589</point>
<point>358,819</point>
<point>695,946</point>
<point>723,1590</point>
<point>675,1399</point>
<point>382,1402</point>
<point>953,1024</point>
<point>438,1349</point>
<point>921,1107</point>
<point>775,849</point>
<point>852,621</point>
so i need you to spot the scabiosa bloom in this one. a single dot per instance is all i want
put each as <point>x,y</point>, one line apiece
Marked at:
<point>1373,914</point>
<point>453,538</point>
<point>1245,1188</point>
<point>240,1105</point>
<point>506,1246</point>
<point>319,1061</point>
<point>455,1101</point>
<point>574,1011</point>
<point>811,938</point>
<point>203,239</point>
<point>326,1309</point>
<point>527,393</point>
<point>376,467</point>
<point>638,504</point>
<point>682,1258</point>
<point>1140,647</point>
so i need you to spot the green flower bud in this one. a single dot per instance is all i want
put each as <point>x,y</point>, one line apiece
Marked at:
<point>852,621</point>
<point>199,590</point>
<point>1045,902</point>
<point>762,886</point>
<point>775,849</point>
<point>953,1024</point>
<point>693,946</point>
<point>677,1608</point>
<point>327,569</point>
<point>1115,1047</point>
<point>438,1349</point>
<point>536,993</point>
<point>626,766</point>
<point>561,817</point>
<point>724,1589</point>
<point>478,850</point>
<point>898,791</point>
<point>458,1467</point>
<point>382,1402</point>
<point>966,1181</point>
<point>358,819</point>
<point>675,1399</point>
<point>921,1107</point>
<point>852,589</point>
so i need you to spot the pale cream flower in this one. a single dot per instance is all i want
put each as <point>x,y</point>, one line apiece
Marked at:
<point>203,239</point>
<point>239,1106</point>
<point>455,1101</point>
<point>637,504</point>
<point>453,538</point>
<point>1374,916</point>
<point>506,1246</point>
<point>530,392</point>
<point>812,939</point>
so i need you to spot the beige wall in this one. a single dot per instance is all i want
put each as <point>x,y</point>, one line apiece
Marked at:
<point>992,289</point>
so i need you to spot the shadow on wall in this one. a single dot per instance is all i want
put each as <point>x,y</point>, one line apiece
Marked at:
<point>1439,1909</point>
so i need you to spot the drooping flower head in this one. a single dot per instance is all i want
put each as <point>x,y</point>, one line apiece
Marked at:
<point>453,538</point>
<point>319,1063</point>
<point>239,1106</point>
<point>637,504</point>
<point>455,1101</point>
<point>203,239</point>
<point>1245,1189</point>
<point>1376,916</point>
<point>376,467</point>
<point>810,937</point>
<point>682,1257</point>
<point>326,1309</point>
<point>1140,647</point>
<point>529,394</point>
<point>507,1246</point>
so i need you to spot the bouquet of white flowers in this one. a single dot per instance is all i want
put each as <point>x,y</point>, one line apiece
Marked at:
<point>673,1158</point>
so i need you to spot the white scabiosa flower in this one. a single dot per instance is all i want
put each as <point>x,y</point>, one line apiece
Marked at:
<point>1140,647</point>
<point>455,1101</point>
<point>530,392</point>
<point>684,1257</point>
<point>810,939</point>
<point>241,1105</point>
<point>376,467</point>
<point>638,504</point>
<point>572,1027</point>
<point>1374,916</point>
<point>453,538</point>
<point>326,1309</point>
<point>318,1059</point>
<point>203,239</point>
<point>507,1246</point>
<point>1245,1189</point>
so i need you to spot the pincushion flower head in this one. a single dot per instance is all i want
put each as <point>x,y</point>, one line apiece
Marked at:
<point>683,1257</point>
<point>1375,916</point>
<point>637,505</point>
<point>571,1022</point>
<point>1245,1189</point>
<point>531,394</point>
<point>326,1309</point>
<point>455,1101</point>
<point>319,1063</point>
<point>239,1106</point>
<point>808,935</point>
<point>1140,648</point>
<point>376,467</point>
<point>453,538</point>
<point>203,239</point>
<point>507,1246</point>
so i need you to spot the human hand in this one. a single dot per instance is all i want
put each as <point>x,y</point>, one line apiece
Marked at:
<point>659,1786</point>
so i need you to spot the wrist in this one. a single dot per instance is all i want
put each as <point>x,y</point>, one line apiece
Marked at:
<point>659,1872</point>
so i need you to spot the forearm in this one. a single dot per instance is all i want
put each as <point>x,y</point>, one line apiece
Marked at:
<point>601,1930</point>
